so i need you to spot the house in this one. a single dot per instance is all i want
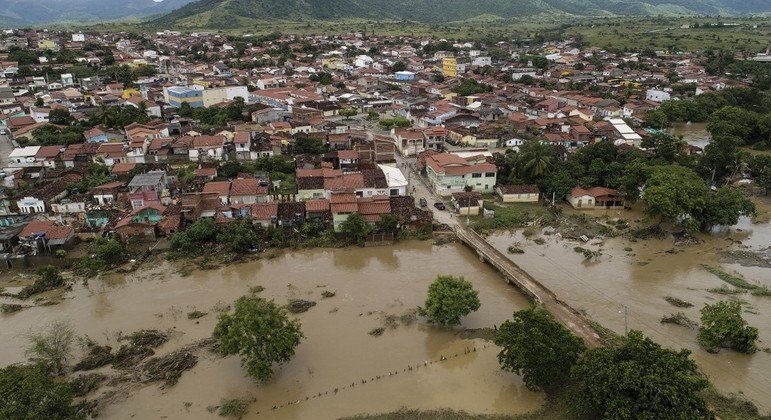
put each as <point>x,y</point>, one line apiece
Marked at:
<point>397,183</point>
<point>207,148</point>
<point>467,203</point>
<point>141,223</point>
<point>318,209</point>
<point>45,236</point>
<point>342,205</point>
<point>248,191</point>
<point>518,193</point>
<point>146,189</point>
<point>409,141</point>
<point>449,173</point>
<point>31,205</point>
<point>264,214</point>
<point>595,198</point>
<point>221,188</point>
<point>106,194</point>
<point>95,135</point>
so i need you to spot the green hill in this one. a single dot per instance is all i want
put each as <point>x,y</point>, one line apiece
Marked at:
<point>221,14</point>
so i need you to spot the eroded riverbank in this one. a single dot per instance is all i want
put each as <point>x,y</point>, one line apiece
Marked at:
<point>370,283</point>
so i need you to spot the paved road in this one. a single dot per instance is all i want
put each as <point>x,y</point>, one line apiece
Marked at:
<point>6,147</point>
<point>562,313</point>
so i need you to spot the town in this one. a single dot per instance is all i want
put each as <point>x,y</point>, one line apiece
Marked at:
<point>544,157</point>
<point>140,136</point>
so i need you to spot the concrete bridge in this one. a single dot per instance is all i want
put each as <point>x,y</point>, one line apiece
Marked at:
<point>538,293</point>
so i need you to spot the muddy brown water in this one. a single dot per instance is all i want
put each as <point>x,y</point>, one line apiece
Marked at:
<point>693,133</point>
<point>642,277</point>
<point>337,351</point>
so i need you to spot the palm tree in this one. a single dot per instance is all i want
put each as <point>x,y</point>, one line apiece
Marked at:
<point>537,159</point>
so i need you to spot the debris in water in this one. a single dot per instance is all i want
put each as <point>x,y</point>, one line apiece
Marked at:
<point>168,368</point>
<point>328,294</point>
<point>680,319</point>
<point>83,384</point>
<point>377,332</point>
<point>678,302</point>
<point>149,338</point>
<point>297,306</point>
<point>96,357</point>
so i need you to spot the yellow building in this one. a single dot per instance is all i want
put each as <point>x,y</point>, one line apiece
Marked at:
<point>47,44</point>
<point>450,67</point>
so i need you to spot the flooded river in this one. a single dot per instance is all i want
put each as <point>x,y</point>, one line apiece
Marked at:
<point>641,276</point>
<point>337,352</point>
<point>693,133</point>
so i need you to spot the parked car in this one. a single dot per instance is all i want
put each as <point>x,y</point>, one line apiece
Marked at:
<point>439,205</point>
<point>423,202</point>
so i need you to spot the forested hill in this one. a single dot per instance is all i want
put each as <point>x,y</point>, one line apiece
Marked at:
<point>232,13</point>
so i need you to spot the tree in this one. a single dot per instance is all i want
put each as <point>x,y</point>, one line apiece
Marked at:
<point>261,333</point>
<point>640,380</point>
<point>49,278</point>
<point>657,119</point>
<point>537,159</point>
<point>674,191</point>
<point>724,207</point>
<point>666,147</point>
<point>388,223</point>
<point>355,229</point>
<point>59,116</point>
<point>237,236</point>
<point>722,158</point>
<point>722,326</point>
<point>538,348</point>
<point>27,392</point>
<point>450,298</point>
<point>399,66</point>
<point>52,346</point>
<point>348,113</point>
<point>309,145</point>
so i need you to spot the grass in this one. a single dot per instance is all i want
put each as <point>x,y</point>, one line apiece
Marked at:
<point>731,279</point>
<point>233,408</point>
<point>508,216</point>
<point>667,34</point>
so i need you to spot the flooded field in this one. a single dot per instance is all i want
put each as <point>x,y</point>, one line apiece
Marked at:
<point>639,275</point>
<point>370,283</point>
<point>693,133</point>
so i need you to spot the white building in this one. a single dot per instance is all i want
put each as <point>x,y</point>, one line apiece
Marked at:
<point>28,205</point>
<point>397,183</point>
<point>656,95</point>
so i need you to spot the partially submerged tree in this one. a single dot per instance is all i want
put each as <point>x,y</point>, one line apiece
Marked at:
<point>722,326</point>
<point>450,298</point>
<point>355,229</point>
<point>640,380</point>
<point>538,348</point>
<point>27,392</point>
<point>52,346</point>
<point>261,333</point>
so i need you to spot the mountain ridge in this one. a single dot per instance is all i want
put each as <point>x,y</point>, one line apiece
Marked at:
<point>220,14</point>
<point>34,12</point>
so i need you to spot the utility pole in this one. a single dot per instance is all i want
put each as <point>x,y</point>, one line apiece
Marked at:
<point>626,321</point>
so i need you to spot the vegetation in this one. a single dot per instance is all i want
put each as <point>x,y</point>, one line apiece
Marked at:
<point>722,326</point>
<point>641,380</point>
<point>355,229</point>
<point>233,408</point>
<point>28,392</point>
<point>235,237</point>
<point>538,348</point>
<point>260,332</point>
<point>450,298</point>
<point>52,347</point>
<point>48,278</point>
<point>105,253</point>
<point>731,279</point>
